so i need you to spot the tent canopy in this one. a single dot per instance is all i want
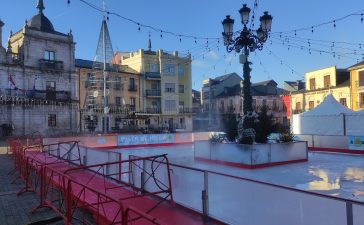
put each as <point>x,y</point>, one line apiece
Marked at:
<point>328,107</point>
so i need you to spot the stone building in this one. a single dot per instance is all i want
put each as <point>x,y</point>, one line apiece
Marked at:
<point>38,83</point>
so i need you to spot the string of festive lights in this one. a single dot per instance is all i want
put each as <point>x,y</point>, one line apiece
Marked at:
<point>141,25</point>
<point>283,63</point>
<point>331,46</point>
<point>262,65</point>
<point>255,8</point>
<point>311,49</point>
<point>332,22</point>
<point>356,44</point>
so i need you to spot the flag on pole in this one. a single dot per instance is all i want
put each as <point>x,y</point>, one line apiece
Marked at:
<point>11,82</point>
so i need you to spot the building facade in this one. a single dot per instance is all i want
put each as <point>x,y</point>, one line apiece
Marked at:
<point>357,86</point>
<point>319,83</point>
<point>123,97</point>
<point>265,93</point>
<point>38,86</point>
<point>166,87</point>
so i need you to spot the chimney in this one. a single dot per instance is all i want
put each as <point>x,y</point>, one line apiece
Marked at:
<point>1,33</point>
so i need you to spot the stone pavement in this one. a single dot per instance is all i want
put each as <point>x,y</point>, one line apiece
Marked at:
<point>15,210</point>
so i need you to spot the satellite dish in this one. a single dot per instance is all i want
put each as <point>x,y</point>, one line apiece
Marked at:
<point>96,93</point>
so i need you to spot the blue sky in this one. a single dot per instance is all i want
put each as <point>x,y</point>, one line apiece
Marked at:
<point>203,18</point>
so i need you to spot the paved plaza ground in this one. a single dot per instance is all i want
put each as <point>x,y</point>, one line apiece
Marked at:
<point>15,210</point>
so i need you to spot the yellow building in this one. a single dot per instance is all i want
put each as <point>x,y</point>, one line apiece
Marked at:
<point>357,85</point>
<point>166,87</point>
<point>122,96</point>
<point>319,83</point>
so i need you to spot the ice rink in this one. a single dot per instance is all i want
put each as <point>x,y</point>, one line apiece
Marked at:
<point>339,175</point>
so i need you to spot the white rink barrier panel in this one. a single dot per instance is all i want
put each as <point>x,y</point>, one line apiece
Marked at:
<point>251,154</point>
<point>237,200</point>
<point>241,202</point>
<point>325,141</point>
<point>288,151</point>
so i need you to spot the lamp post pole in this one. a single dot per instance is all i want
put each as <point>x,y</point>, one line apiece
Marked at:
<point>247,41</point>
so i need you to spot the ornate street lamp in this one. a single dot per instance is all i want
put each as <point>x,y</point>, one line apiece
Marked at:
<point>246,41</point>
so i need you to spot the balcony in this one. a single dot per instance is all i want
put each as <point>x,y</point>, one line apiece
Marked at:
<point>155,110</point>
<point>153,93</point>
<point>132,88</point>
<point>50,65</point>
<point>58,96</point>
<point>153,75</point>
<point>185,110</point>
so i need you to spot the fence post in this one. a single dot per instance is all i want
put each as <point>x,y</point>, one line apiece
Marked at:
<point>349,213</point>
<point>142,178</point>
<point>205,198</point>
<point>344,124</point>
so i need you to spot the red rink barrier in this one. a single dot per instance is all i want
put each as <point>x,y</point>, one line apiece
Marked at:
<point>133,191</point>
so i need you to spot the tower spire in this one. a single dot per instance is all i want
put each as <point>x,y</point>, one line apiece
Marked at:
<point>149,43</point>
<point>40,6</point>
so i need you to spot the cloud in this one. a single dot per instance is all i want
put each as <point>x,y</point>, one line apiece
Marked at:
<point>200,64</point>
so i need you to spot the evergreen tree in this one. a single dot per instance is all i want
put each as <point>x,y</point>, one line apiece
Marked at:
<point>230,126</point>
<point>265,125</point>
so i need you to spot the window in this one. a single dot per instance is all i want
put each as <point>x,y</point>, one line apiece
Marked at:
<point>131,82</point>
<point>327,81</point>
<point>170,87</point>
<point>264,102</point>
<point>181,106</point>
<point>361,100</point>
<point>52,120</point>
<point>181,88</point>
<point>105,99</point>
<point>118,101</point>
<point>169,69</point>
<point>181,71</point>
<point>132,101</point>
<point>170,105</point>
<point>50,55</point>
<point>50,86</point>
<point>312,84</point>
<point>88,80</point>
<point>343,101</point>
<point>275,104</point>
<point>154,68</point>
<point>117,83</point>
<point>311,104</point>
<point>361,78</point>
<point>298,106</point>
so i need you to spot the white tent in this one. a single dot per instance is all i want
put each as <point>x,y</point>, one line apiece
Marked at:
<point>326,119</point>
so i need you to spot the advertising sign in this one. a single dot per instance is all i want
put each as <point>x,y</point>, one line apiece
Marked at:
<point>356,142</point>
<point>145,139</point>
